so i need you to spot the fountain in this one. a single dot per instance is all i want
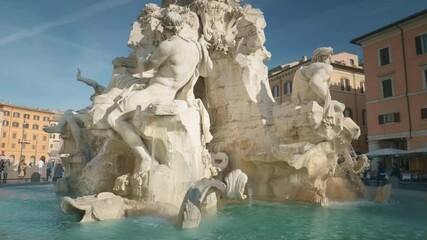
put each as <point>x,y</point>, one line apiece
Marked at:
<point>188,117</point>
<point>148,139</point>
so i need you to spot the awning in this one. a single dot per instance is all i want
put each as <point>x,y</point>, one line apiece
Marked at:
<point>418,150</point>
<point>385,152</point>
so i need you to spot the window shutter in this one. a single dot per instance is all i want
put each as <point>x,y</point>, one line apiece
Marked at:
<point>423,113</point>
<point>418,45</point>
<point>380,119</point>
<point>397,117</point>
<point>384,56</point>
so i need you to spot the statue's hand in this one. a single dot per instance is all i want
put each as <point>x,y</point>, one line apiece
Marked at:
<point>79,75</point>
<point>203,41</point>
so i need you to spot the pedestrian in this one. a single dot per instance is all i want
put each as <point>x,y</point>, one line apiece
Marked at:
<point>381,174</point>
<point>49,167</point>
<point>58,171</point>
<point>40,164</point>
<point>6,166</point>
<point>22,169</point>
<point>1,168</point>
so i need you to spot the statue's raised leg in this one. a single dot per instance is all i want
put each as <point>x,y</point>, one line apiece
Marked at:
<point>143,161</point>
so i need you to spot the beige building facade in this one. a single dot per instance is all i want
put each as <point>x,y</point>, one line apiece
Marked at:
<point>347,87</point>
<point>22,134</point>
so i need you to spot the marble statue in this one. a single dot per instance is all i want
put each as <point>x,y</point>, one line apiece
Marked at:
<point>188,118</point>
<point>73,119</point>
<point>176,61</point>
<point>102,206</point>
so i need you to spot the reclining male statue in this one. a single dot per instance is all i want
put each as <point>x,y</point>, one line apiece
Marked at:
<point>179,61</point>
<point>311,83</point>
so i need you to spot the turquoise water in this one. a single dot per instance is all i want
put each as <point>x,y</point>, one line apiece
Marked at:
<point>32,212</point>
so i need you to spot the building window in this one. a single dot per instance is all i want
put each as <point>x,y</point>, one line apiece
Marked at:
<point>46,119</point>
<point>35,126</point>
<point>352,61</point>
<point>26,125</point>
<point>51,146</point>
<point>5,123</point>
<point>15,124</point>
<point>384,56</point>
<point>35,117</point>
<point>421,44</point>
<point>362,88</point>
<point>13,145</point>
<point>348,112</point>
<point>6,113</point>
<point>44,138</point>
<point>16,114</point>
<point>345,84</point>
<point>3,145</point>
<point>425,78</point>
<point>14,135</point>
<point>423,113</point>
<point>27,116</point>
<point>4,134</point>
<point>387,88</point>
<point>288,88</point>
<point>364,117</point>
<point>275,91</point>
<point>44,147</point>
<point>389,118</point>
<point>33,147</point>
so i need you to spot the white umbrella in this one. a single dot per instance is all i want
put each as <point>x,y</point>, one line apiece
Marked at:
<point>385,152</point>
<point>418,150</point>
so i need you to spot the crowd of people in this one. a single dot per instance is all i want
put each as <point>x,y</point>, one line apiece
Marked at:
<point>50,170</point>
<point>382,175</point>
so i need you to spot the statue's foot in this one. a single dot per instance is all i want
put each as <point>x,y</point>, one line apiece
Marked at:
<point>52,129</point>
<point>146,165</point>
<point>121,185</point>
<point>144,162</point>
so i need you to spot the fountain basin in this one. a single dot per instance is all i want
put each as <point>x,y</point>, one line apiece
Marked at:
<point>32,212</point>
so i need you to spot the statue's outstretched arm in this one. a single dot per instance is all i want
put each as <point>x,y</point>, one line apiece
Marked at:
<point>98,88</point>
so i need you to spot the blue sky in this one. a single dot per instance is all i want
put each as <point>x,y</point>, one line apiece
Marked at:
<point>43,42</point>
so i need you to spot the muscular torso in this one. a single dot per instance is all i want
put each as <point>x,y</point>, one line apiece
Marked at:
<point>176,61</point>
<point>179,66</point>
<point>311,83</point>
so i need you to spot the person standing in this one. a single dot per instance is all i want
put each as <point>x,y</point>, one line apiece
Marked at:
<point>381,174</point>
<point>40,164</point>
<point>49,167</point>
<point>22,169</point>
<point>6,166</point>
<point>1,168</point>
<point>58,171</point>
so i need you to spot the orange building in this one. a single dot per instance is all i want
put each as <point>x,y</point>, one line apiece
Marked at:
<point>22,132</point>
<point>347,86</point>
<point>396,82</point>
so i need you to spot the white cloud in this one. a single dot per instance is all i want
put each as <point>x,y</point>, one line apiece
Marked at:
<point>94,9</point>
